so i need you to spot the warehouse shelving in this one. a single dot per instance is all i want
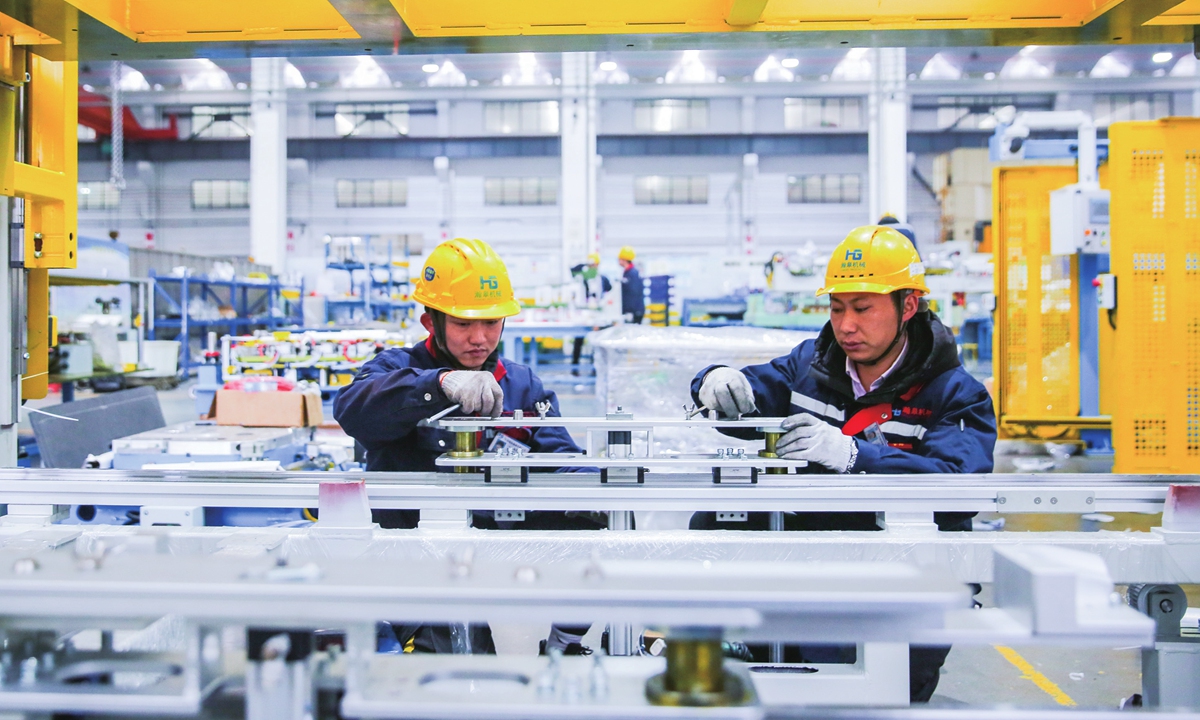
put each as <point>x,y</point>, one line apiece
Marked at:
<point>254,304</point>
<point>375,298</point>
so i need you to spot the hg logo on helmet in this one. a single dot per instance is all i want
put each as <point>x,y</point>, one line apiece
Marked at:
<point>489,283</point>
<point>853,260</point>
<point>429,274</point>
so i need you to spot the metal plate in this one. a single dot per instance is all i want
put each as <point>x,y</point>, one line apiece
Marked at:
<point>1049,500</point>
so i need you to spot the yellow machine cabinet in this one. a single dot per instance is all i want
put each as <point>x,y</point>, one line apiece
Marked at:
<point>1037,318</point>
<point>1154,174</point>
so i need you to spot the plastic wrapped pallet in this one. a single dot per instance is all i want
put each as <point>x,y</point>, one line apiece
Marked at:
<point>648,371</point>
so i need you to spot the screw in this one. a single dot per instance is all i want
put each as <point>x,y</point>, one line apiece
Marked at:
<point>1053,501</point>
<point>1037,501</point>
<point>1002,500</point>
<point>1089,501</point>
<point>1166,605</point>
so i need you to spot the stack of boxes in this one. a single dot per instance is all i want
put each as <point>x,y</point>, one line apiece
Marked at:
<point>962,178</point>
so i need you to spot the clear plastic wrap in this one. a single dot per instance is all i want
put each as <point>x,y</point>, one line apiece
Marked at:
<point>648,371</point>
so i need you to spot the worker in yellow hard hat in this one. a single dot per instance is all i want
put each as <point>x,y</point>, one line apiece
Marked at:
<point>594,287</point>
<point>467,294</point>
<point>880,390</point>
<point>633,300</point>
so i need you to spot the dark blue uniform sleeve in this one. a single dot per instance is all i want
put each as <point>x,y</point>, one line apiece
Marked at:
<point>387,400</point>
<point>962,440</point>
<point>772,383</point>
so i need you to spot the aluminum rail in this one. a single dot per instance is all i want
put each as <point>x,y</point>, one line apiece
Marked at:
<point>614,424</point>
<point>1057,493</point>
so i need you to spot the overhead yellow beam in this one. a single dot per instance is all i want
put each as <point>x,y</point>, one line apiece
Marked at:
<point>1182,13</point>
<point>216,20</point>
<point>456,18</point>
<point>743,13</point>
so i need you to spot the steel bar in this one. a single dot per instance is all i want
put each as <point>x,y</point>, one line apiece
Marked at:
<point>583,491</point>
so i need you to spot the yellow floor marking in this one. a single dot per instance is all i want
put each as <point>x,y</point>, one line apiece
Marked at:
<point>1028,672</point>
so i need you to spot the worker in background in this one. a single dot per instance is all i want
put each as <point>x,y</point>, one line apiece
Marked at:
<point>633,299</point>
<point>467,294</point>
<point>904,229</point>
<point>595,286</point>
<point>881,390</point>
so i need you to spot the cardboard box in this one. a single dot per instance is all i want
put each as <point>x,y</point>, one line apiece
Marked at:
<point>266,409</point>
<point>961,166</point>
<point>968,202</point>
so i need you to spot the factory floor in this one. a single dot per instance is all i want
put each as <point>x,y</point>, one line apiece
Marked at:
<point>985,675</point>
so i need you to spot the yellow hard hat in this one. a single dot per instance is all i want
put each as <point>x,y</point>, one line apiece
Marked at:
<point>593,258</point>
<point>466,279</point>
<point>874,259</point>
<point>626,253</point>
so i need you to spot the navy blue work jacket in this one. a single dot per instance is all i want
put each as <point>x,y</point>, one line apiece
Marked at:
<point>400,387</point>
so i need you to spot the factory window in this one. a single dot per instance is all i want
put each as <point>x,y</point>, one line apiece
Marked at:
<point>670,115</point>
<point>1131,106</point>
<point>824,189</point>
<point>811,113</point>
<point>98,196</point>
<point>372,193</point>
<point>521,118</point>
<point>520,191</point>
<point>972,112</point>
<point>214,194</point>
<point>220,122</point>
<point>677,190</point>
<point>374,120</point>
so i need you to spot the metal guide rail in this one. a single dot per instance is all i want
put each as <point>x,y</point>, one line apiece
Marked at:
<point>616,458</point>
<point>1056,493</point>
<point>309,623</point>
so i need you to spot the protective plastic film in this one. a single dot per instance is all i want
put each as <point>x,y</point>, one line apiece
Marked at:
<point>648,371</point>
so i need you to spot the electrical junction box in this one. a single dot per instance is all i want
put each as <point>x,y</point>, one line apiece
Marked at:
<point>1079,220</point>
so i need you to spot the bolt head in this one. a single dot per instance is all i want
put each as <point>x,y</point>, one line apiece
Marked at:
<point>1166,605</point>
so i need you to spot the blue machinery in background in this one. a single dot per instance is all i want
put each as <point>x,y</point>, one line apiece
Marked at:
<point>1079,225</point>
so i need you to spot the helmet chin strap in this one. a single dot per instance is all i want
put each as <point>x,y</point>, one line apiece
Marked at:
<point>900,328</point>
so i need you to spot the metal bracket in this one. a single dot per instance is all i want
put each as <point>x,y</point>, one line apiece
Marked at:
<point>727,474</point>
<point>1044,501</point>
<point>508,474</point>
<point>625,475</point>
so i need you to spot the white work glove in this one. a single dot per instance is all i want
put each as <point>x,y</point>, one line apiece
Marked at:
<point>727,391</point>
<point>808,438</point>
<point>475,391</point>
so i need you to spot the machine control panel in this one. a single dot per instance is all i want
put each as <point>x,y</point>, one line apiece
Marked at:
<point>1079,220</point>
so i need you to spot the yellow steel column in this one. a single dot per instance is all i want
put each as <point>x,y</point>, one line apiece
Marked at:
<point>47,180</point>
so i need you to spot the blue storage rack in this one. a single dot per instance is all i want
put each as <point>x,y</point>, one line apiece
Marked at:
<point>254,305</point>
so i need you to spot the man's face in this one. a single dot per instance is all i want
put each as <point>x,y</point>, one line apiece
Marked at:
<point>864,324</point>
<point>469,341</point>
<point>624,264</point>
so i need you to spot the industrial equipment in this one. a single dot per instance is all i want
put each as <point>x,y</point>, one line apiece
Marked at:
<point>1052,241</point>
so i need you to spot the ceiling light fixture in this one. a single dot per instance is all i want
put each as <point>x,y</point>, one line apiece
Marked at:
<point>430,67</point>
<point>1161,57</point>
<point>608,66</point>
<point>789,62</point>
